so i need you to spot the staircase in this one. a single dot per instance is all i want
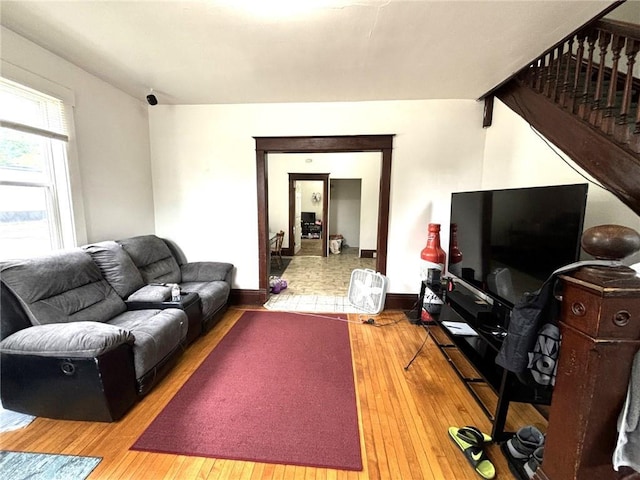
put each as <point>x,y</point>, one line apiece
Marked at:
<point>583,96</point>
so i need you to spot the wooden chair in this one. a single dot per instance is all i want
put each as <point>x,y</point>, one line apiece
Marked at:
<point>276,248</point>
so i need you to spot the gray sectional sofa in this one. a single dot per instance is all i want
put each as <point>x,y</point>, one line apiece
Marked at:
<point>86,332</point>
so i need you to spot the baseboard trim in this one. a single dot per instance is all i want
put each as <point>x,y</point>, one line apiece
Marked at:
<point>400,301</point>
<point>393,301</point>
<point>247,297</point>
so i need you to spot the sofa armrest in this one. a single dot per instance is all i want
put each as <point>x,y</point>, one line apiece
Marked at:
<point>75,339</point>
<point>151,293</point>
<point>206,272</point>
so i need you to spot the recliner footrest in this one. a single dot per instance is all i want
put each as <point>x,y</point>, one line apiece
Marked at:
<point>98,388</point>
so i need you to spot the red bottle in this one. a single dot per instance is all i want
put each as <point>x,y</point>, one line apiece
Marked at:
<point>433,253</point>
<point>455,255</point>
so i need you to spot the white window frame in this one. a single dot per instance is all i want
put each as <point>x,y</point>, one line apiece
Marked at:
<point>65,189</point>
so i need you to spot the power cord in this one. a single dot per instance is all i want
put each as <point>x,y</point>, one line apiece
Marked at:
<point>346,320</point>
<point>590,180</point>
<point>416,307</point>
<point>360,321</point>
<point>419,349</point>
<point>371,321</point>
<point>551,147</point>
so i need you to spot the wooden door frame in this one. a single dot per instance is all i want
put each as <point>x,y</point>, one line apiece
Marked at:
<point>314,177</point>
<point>325,144</point>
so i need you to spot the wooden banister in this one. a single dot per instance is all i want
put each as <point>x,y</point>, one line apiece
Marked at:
<point>569,73</point>
<point>584,77</point>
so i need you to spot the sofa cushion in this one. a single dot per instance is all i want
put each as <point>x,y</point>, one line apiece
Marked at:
<point>116,267</point>
<point>65,286</point>
<point>206,271</point>
<point>153,258</point>
<point>213,295</point>
<point>157,334</point>
<point>151,293</point>
<point>76,339</point>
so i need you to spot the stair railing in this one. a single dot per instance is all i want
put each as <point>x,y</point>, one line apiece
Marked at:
<point>587,75</point>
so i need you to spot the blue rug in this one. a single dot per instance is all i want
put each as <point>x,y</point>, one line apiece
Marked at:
<point>44,466</point>
<point>279,270</point>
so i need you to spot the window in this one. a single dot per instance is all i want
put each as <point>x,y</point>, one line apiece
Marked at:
<point>35,204</point>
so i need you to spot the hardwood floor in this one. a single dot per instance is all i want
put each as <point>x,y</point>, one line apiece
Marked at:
<point>404,416</point>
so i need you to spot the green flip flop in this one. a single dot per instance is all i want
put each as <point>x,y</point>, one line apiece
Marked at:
<point>471,441</point>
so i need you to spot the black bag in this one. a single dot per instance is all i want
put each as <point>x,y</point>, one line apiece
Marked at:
<point>543,360</point>
<point>532,344</point>
<point>528,315</point>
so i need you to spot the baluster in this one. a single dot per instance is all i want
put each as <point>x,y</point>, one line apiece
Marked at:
<point>546,90</point>
<point>595,116</point>
<point>583,109</point>
<point>634,141</point>
<point>524,75</point>
<point>540,76</point>
<point>622,129</point>
<point>531,74</point>
<point>564,93</point>
<point>608,119</point>
<point>558,76</point>
<point>576,74</point>
<point>633,129</point>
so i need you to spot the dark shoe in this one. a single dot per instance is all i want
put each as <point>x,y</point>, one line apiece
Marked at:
<point>524,443</point>
<point>519,450</point>
<point>534,461</point>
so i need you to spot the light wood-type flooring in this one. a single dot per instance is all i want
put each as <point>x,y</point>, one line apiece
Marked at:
<point>404,416</point>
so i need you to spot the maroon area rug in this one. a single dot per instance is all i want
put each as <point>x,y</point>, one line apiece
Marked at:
<point>278,388</point>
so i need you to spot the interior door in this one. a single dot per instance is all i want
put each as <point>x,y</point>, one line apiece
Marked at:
<point>297,224</point>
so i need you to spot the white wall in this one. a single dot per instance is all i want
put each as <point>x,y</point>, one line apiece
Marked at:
<point>200,187</point>
<point>112,181</point>
<point>516,156</point>
<point>345,204</point>
<point>307,190</point>
<point>204,172</point>
<point>361,165</point>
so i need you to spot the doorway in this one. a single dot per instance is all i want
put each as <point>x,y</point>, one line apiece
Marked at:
<point>327,144</point>
<point>345,207</point>
<point>308,210</point>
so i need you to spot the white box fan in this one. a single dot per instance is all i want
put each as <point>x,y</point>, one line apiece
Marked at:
<point>367,290</point>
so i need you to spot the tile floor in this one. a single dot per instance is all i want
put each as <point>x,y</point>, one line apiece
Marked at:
<point>319,284</point>
<point>315,275</point>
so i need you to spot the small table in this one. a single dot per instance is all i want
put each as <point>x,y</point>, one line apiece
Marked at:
<point>191,305</point>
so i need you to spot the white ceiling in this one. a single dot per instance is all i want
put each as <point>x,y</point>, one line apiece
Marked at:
<point>221,51</point>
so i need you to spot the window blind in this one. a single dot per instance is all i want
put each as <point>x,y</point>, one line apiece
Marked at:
<point>29,111</point>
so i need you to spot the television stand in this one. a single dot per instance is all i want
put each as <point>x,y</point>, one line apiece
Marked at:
<point>472,357</point>
<point>311,230</point>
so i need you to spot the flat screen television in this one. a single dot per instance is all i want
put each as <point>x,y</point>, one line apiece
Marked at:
<point>308,217</point>
<point>511,240</point>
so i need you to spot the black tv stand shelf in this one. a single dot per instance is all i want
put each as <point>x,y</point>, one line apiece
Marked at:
<point>311,230</point>
<point>473,358</point>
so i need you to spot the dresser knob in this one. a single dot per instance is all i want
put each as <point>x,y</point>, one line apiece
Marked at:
<point>578,309</point>
<point>621,318</point>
